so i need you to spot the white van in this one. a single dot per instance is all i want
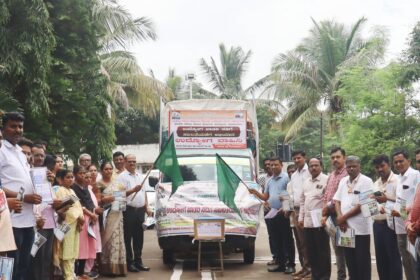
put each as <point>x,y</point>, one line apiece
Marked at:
<point>201,129</point>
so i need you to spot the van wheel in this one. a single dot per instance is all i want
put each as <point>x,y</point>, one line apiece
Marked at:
<point>168,256</point>
<point>249,255</point>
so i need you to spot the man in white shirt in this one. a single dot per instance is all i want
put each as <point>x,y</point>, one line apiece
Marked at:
<point>407,182</point>
<point>417,159</point>
<point>388,259</point>
<point>349,216</point>
<point>296,186</point>
<point>316,238</point>
<point>137,206</point>
<point>14,174</point>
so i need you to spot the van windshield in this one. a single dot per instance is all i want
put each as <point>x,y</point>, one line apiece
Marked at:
<point>204,168</point>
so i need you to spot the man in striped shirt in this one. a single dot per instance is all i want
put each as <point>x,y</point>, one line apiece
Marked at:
<point>338,160</point>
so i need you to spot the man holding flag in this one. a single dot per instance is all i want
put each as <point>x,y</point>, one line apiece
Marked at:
<point>277,226</point>
<point>137,206</point>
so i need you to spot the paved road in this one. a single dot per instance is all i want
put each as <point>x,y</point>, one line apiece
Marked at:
<point>234,268</point>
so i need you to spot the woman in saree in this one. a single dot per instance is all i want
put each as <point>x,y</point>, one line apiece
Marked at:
<point>113,260</point>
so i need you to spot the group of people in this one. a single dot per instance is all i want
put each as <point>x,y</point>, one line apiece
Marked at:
<point>100,215</point>
<point>314,208</point>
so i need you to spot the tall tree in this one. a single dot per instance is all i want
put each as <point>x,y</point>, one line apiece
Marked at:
<point>311,73</point>
<point>226,81</point>
<point>80,121</point>
<point>26,42</point>
<point>128,85</point>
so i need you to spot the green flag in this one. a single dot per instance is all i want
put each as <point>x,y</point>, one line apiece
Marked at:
<point>227,183</point>
<point>167,163</point>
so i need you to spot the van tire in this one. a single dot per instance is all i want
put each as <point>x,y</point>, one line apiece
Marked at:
<point>168,256</point>
<point>249,255</point>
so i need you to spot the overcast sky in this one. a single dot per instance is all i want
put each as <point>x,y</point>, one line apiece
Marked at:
<point>192,29</point>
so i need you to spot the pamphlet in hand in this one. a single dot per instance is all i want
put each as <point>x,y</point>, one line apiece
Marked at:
<point>401,207</point>
<point>370,208</point>
<point>41,184</point>
<point>19,196</point>
<point>38,242</point>
<point>120,202</point>
<point>6,268</point>
<point>61,231</point>
<point>148,223</point>
<point>316,216</point>
<point>412,249</point>
<point>390,221</point>
<point>365,196</point>
<point>271,214</point>
<point>389,206</point>
<point>286,202</point>
<point>346,239</point>
<point>69,200</point>
<point>330,227</point>
<point>91,231</point>
<point>3,201</point>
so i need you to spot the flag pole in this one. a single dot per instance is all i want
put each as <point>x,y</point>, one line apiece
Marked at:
<point>148,172</point>
<point>144,180</point>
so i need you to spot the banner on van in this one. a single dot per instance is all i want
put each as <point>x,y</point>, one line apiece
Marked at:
<point>208,129</point>
<point>196,200</point>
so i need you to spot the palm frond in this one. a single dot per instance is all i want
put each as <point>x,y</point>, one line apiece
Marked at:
<point>299,123</point>
<point>213,75</point>
<point>264,81</point>
<point>120,28</point>
<point>353,33</point>
<point>120,61</point>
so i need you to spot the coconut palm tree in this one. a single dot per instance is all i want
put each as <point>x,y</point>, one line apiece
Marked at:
<point>128,85</point>
<point>310,74</point>
<point>227,81</point>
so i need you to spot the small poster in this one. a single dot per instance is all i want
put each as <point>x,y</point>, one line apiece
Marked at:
<point>61,231</point>
<point>120,202</point>
<point>209,229</point>
<point>316,216</point>
<point>38,242</point>
<point>6,268</point>
<point>346,239</point>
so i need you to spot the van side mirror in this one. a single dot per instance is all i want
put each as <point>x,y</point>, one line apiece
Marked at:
<point>153,181</point>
